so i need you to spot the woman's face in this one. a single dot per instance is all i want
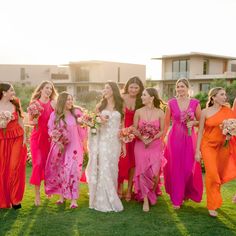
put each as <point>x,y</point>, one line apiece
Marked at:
<point>220,97</point>
<point>133,89</point>
<point>69,102</point>
<point>107,91</point>
<point>46,91</point>
<point>181,89</point>
<point>9,94</point>
<point>146,98</point>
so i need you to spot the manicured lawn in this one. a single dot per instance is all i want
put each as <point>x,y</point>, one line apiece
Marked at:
<point>50,219</point>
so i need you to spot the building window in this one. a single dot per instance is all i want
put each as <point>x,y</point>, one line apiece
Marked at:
<point>233,67</point>
<point>206,67</point>
<point>59,76</point>
<point>60,88</point>
<point>204,87</point>
<point>82,74</point>
<point>180,68</point>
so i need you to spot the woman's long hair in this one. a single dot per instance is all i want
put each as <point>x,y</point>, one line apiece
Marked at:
<point>60,108</point>
<point>157,102</point>
<point>138,81</point>
<point>4,87</point>
<point>118,100</point>
<point>37,92</point>
<point>212,93</point>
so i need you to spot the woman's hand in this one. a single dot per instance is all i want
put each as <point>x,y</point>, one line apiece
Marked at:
<point>123,150</point>
<point>198,156</point>
<point>190,124</point>
<point>104,118</point>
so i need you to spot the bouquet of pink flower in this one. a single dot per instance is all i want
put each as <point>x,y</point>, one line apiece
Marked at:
<point>5,118</point>
<point>187,116</point>
<point>127,134</point>
<point>91,120</point>
<point>148,130</point>
<point>228,129</point>
<point>59,136</point>
<point>34,110</point>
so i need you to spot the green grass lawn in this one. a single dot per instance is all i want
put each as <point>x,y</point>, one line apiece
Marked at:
<point>50,219</point>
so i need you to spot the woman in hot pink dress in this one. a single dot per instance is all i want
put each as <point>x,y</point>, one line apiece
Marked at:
<point>45,95</point>
<point>183,177</point>
<point>132,100</point>
<point>64,163</point>
<point>149,156</point>
<point>234,109</point>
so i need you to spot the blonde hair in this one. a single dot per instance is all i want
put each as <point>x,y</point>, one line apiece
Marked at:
<point>184,81</point>
<point>37,92</point>
<point>212,93</point>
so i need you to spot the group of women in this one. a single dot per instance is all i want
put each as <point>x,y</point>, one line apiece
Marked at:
<point>174,150</point>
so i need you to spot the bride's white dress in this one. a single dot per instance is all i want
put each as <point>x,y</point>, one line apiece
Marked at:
<point>102,168</point>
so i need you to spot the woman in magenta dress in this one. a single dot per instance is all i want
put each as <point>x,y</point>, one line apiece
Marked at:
<point>183,177</point>
<point>12,149</point>
<point>64,163</point>
<point>132,100</point>
<point>45,95</point>
<point>149,153</point>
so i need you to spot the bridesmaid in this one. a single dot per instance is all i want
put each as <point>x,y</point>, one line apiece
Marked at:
<point>183,177</point>
<point>12,150</point>
<point>132,101</point>
<point>219,164</point>
<point>234,109</point>
<point>64,166</point>
<point>45,94</point>
<point>149,156</point>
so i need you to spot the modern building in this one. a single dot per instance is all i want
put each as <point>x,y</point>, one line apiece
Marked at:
<point>74,77</point>
<point>200,68</point>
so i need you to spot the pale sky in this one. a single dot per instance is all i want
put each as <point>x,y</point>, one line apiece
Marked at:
<point>133,31</point>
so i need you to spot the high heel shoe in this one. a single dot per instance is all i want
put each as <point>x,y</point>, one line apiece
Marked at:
<point>18,206</point>
<point>73,206</point>
<point>212,213</point>
<point>128,197</point>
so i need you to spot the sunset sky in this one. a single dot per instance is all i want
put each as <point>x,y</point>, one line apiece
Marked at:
<point>134,31</point>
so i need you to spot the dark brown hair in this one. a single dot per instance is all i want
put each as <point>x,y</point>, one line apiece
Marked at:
<point>117,99</point>
<point>4,87</point>
<point>138,81</point>
<point>158,103</point>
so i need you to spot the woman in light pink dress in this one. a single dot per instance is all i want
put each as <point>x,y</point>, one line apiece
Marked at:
<point>64,163</point>
<point>45,94</point>
<point>149,156</point>
<point>183,177</point>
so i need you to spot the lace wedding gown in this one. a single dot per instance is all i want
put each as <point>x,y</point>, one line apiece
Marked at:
<point>102,168</point>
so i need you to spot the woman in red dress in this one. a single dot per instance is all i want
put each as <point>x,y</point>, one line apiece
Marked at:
<point>132,101</point>
<point>12,149</point>
<point>45,96</point>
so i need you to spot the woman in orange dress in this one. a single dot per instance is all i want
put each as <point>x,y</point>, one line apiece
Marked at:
<point>219,160</point>
<point>12,149</point>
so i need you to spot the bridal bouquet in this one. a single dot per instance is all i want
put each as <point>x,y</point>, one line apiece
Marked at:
<point>127,134</point>
<point>187,116</point>
<point>91,120</point>
<point>5,118</point>
<point>34,110</point>
<point>148,130</point>
<point>228,129</point>
<point>59,136</point>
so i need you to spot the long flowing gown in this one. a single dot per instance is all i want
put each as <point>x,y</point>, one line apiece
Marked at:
<point>149,161</point>
<point>127,162</point>
<point>183,177</point>
<point>102,168</point>
<point>62,172</point>
<point>12,164</point>
<point>219,160</point>
<point>40,144</point>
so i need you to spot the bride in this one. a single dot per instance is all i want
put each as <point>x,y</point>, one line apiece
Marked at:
<point>104,152</point>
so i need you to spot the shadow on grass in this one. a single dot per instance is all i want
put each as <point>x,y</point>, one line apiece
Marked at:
<point>7,217</point>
